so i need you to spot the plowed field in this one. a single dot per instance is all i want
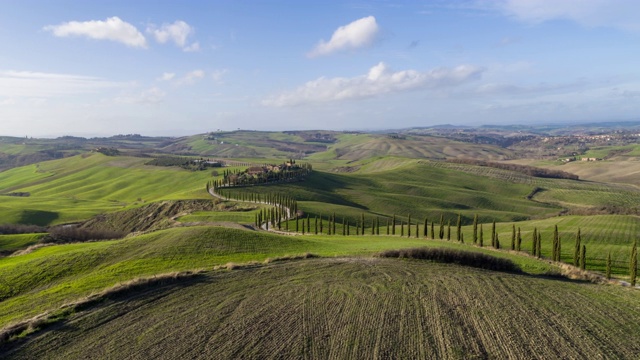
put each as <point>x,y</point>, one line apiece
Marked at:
<point>353,309</point>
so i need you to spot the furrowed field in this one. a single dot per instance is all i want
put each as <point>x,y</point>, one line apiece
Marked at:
<point>353,308</point>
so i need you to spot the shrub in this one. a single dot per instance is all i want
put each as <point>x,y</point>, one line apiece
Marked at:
<point>459,257</point>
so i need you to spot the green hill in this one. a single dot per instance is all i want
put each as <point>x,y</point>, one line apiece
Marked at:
<point>353,308</point>
<point>79,187</point>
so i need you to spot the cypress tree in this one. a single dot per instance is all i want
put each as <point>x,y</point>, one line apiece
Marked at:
<point>583,258</point>
<point>297,224</point>
<point>559,251</point>
<point>377,226</point>
<point>373,227</point>
<point>401,228</point>
<point>462,238</point>
<point>459,227</point>
<point>493,234</point>
<point>417,231</point>
<point>513,237</point>
<point>321,224</point>
<point>518,240</point>
<point>633,264</point>
<point>348,228</point>
<point>357,228</point>
<point>393,225</point>
<point>554,250</point>
<point>315,228</point>
<point>609,265</point>
<point>387,226</point>
<point>497,242</point>
<point>362,224</point>
<point>333,230</point>
<point>409,226</point>
<point>576,251</point>
<point>475,228</point>
<point>344,231</point>
<point>539,246</point>
<point>433,233</point>
<point>441,227</point>
<point>308,224</point>
<point>481,240</point>
<point>534,251</point>
<point>448,230</point>
<point>426,228</point>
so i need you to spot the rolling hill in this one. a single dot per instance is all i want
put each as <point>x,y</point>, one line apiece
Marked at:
<point>352,308</point>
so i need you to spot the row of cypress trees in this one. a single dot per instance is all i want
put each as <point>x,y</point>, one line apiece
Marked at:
<point>286,208</point>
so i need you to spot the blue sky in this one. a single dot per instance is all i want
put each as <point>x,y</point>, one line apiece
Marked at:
<point>175,68</point>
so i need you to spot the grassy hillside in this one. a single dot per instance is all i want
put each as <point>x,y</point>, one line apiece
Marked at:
<point>79,187</point>
<point>354,308</point>
<point>253,144</point>
<point>384,187</point>
<point>601,234</point>
<point>49,276</point>
<point>354,147</point>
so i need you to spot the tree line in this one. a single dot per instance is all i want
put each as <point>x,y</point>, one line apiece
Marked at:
<point>285,215</point>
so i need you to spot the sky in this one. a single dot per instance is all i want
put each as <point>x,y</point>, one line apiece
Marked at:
<point>174,68</point>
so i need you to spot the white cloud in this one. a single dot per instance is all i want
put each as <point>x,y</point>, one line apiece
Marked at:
<point>378,81</point>
<point>192,48</point>
<point>358,34</point>
<point>112,28</point>
<point>166,76</point>
<point>31,84</point>
<point>178,33</point>
<point>191,77</point>
<point>621,14</point>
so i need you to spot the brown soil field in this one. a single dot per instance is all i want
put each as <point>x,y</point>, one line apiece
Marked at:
<point>352,308</point>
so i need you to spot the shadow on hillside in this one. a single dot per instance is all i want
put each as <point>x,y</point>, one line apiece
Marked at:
<point>37,217</point>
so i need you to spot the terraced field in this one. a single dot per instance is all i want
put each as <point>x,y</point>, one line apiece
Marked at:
<point>353,308</point>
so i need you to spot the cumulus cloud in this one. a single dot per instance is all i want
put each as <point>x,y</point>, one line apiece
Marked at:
<point>192,48</point>
<point>621,14</point>
<point>31,84</point>
<point>358,34</point>
<point>112,28</point>
<point>178,33</point>
<point>191,77</point>
<point>378,81</point>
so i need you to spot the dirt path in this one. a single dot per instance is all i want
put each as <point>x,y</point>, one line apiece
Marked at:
<point>262,226</point>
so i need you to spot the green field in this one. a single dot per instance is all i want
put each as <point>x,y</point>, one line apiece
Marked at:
<point>346,304</point>
<point>79,187</point>
<point>47,277</point>
<point>353,308</point>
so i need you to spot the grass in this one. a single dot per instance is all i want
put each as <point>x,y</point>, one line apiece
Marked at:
<point>417,188</point>
<point>353,308</point>
<point>365,146</point>
<point>47,277</point>
<point>79,187</point>
<point>11,243</point>
<point>600,233</point>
